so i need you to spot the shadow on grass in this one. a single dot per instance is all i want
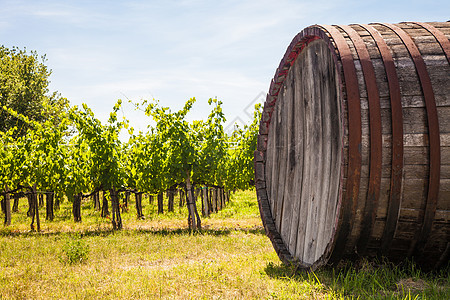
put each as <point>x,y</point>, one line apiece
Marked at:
<point>358,266</point>
<point>377,279</point>
<point>6,232</point>
<point>285,272</point>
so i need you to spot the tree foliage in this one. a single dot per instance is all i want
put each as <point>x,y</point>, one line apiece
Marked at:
<point>24,80</point>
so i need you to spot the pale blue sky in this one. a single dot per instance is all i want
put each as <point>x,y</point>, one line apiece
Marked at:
<point>100,51</point>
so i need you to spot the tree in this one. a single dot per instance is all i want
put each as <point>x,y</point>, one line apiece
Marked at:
<point>24,81</point>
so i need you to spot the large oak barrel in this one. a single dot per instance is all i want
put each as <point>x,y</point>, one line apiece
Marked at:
<point>353,154</point>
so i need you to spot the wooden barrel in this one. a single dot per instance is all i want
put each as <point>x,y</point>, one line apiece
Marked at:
<point>353,154</point>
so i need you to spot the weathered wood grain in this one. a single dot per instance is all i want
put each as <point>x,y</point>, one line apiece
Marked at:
<point>299,156</point>
<point>306,124</point>
<point>289,160</point>
<point>282,162</point>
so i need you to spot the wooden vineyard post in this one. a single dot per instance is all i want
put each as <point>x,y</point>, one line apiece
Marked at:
<point>199,223</point>
<point>205,204</point>
<point>182,193</point>
<point>193,218</point>
<point>116,217</point>
<point>138,198</point>
<point>76,208</point>
<point>34,203</point>
<point>170,199</point>
<point>219,199</point>
<point>126,199</point>
<point>96,198</point>
<point>214,199</point>
<point>15,207</point>
<point>41,199</point>
<point>105,209</point>
<point>7,204</point>
<point>210,200</point>
<point>160,203</point>
<point>49,196</point>
<point>222,197</point>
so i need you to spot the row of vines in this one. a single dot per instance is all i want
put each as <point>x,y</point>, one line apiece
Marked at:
<point>72,155</point>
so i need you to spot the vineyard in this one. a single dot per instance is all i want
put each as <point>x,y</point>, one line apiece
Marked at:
<point>67,154</point>
<point>75,156</point>
<point>182,190</point>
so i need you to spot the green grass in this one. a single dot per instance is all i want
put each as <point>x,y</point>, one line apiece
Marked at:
<point>158,258</point>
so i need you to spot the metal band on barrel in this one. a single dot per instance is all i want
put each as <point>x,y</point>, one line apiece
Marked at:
<point>439,36</point>
<point>373,192</point>
<point>397,139</point>
<point>433,135</point>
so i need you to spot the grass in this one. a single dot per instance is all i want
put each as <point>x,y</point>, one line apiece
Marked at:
<point>158,258</point>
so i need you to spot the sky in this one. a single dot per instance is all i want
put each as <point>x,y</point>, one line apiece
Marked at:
<point>101,51</point>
